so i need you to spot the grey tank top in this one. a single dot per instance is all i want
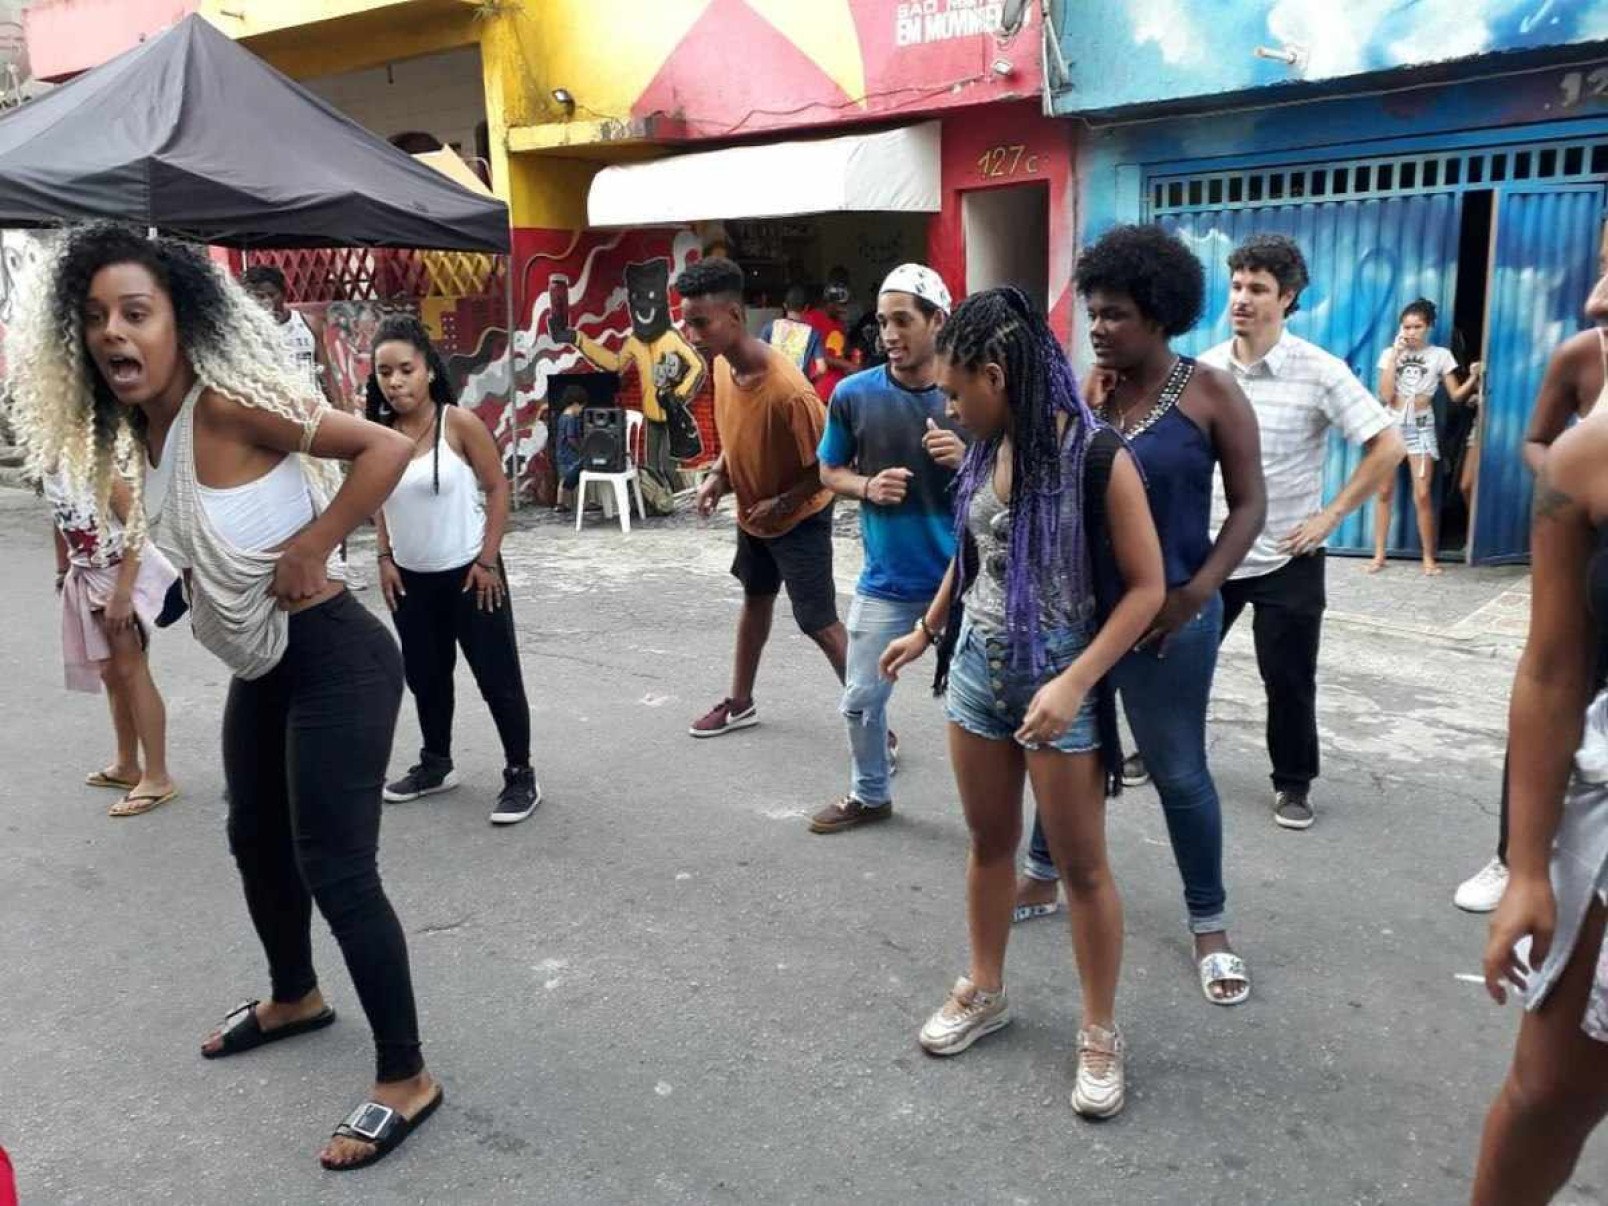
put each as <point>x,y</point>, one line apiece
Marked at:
<point>989,522</point>
<point>232,613</point>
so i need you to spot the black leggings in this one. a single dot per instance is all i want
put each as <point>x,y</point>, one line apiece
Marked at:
<point>433,618</point>
<point>305,749</point>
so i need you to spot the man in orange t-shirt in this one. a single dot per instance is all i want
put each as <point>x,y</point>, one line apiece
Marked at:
<point>770,423</point>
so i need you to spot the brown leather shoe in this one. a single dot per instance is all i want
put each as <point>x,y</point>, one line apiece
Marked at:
<point>846,813</point>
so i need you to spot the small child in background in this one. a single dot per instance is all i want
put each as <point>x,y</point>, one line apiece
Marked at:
<point>110,600</point>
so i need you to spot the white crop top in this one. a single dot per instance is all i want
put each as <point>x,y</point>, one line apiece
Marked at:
<point>264,513</point>
<point>431,531</point>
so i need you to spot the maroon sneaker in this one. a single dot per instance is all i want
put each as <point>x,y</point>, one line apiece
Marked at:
<point>846,813</point>
<point>725,717</point>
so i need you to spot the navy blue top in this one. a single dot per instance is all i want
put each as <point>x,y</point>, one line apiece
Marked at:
<point>1178,460</point>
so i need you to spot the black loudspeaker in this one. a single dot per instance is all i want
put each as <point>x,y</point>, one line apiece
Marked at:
<point>603,439</point>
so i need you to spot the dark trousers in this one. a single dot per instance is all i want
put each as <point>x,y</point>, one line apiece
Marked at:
<point>1287,628</point>
<point>434,618</point>
<point>305,749</point>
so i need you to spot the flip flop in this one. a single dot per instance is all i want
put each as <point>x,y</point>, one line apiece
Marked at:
<point>1224,967</point>
<point>1029,912</point>
<point>241,1031</point>
<point>138,806</point>
<point>102,779</point>
<point>382,1126</point>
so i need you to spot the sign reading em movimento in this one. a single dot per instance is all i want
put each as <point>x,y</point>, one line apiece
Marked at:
<point>923,21</point>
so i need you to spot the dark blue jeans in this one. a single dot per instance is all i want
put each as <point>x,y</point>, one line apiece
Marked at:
<point>1164,698</point>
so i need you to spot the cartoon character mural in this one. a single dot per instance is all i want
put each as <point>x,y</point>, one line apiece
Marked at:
<point>669,371</point>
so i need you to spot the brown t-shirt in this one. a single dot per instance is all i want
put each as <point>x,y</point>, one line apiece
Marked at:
<point>769,432</point>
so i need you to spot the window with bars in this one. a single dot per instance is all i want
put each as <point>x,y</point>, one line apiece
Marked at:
<point>1382,176</point>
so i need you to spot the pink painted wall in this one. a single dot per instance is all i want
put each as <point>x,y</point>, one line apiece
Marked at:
<point>69,36</point>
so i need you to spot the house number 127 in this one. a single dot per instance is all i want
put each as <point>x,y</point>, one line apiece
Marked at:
<point>997,162</point>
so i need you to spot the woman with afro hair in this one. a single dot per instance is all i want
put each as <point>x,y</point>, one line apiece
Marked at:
<point>1183,420</point>
<point>141,350</point>
<point>1057,574</point>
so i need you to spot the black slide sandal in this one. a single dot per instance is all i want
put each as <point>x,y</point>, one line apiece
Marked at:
<point>242,1032</point>
<point>381,1126</point>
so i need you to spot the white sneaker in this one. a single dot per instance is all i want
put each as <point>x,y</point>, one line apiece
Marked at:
<point>968,1015</point>
<point>1483,892</point>
<point>1101,1090</point>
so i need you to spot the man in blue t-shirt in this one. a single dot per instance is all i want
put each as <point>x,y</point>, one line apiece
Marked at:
<point>889,442</point>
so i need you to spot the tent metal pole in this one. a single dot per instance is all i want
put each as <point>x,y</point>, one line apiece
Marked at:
<point>512,405</point>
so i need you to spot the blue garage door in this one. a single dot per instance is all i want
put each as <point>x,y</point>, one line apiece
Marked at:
<point>1542,267</point>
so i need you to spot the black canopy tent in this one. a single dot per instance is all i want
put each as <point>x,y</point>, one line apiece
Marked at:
<point>194,135</point>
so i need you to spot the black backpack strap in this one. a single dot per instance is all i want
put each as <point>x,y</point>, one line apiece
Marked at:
<point>1108,588</point>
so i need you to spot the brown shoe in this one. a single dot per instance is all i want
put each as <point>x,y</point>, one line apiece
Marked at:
<point>846,813</point>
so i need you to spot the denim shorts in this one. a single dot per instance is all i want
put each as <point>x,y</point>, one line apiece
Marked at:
<point>988,697</point>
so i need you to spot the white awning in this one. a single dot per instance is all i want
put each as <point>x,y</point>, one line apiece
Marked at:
<point>896,170</point>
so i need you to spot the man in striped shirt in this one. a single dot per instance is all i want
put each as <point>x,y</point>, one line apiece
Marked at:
<point>1298,391</point>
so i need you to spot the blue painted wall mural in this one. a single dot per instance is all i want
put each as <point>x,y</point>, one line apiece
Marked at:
<point>1145,51</point>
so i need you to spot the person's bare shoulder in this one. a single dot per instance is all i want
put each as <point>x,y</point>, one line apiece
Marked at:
<point>1577,467</point>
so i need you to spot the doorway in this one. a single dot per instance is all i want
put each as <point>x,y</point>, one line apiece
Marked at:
<point>1007,232</point>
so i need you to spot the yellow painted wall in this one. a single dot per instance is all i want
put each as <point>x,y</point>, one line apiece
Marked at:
<point>604,52</point>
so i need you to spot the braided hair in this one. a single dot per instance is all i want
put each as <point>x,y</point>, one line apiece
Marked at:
<point>1001,326</point>
<point>405,328</point>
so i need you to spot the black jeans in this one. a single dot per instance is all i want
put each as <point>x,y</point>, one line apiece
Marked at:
<point>433,618</point>
<point>305,749</point>
<point>1287,627</point>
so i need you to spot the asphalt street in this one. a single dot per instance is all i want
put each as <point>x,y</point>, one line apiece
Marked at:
<point>662,989</point>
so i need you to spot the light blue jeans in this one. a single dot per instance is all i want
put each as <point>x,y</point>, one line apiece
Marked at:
<point>874,624</point>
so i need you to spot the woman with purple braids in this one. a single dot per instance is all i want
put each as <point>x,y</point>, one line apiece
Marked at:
<point>1058,574</point>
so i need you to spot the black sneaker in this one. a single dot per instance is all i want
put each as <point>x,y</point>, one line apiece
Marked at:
<point>519,797</point>
<point>1292,810</point>
<point>426,778</point>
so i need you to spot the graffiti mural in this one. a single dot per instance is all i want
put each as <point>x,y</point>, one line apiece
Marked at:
<point>586,275</point>
<point>1147,51</point>
<point>668,371</point>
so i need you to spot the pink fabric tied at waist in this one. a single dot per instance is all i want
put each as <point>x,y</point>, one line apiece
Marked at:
<point>85,648</point>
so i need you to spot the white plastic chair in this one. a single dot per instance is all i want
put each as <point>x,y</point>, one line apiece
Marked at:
<point>618,500</point>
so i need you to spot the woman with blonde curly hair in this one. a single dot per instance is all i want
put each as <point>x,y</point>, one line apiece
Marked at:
<point>143,346</point>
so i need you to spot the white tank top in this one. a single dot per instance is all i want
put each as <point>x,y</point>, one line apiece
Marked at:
<point>264,513</point>
<point>431,532</point>
<point>300,345</point>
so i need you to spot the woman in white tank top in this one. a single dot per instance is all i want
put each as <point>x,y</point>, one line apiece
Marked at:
<point>130,347</point>
<point>441,569</point>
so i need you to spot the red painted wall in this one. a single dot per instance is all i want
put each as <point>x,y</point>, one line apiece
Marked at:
<point>996,147</point>
<point>906,56</point>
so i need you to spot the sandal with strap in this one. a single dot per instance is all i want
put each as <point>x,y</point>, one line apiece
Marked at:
<point>1224,967</point>
<point>241,1031</point>
<point>101,779</point>
<point>384,1128</point>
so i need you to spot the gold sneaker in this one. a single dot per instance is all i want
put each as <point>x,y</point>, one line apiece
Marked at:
<point>968,1015</point>
<point>1100,1091</point>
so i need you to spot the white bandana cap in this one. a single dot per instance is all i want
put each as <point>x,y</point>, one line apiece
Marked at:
<point>918,280</point>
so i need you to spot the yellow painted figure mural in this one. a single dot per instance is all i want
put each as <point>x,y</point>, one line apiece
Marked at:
<point>669,371</point>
